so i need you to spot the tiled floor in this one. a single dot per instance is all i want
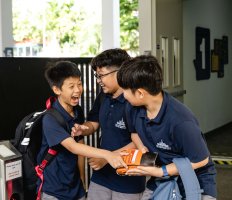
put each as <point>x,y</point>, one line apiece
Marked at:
<point>220,146</point>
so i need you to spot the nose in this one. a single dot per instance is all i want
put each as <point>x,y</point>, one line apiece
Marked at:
<point>78,88</point>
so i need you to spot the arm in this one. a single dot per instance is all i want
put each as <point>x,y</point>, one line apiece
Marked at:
<point>85,129</point>
<point>114,159</point>
<point>81,165</point>
<point>188,138</point>
<point>98,163</point>
<point>138,143</point>
<point>158,172</point>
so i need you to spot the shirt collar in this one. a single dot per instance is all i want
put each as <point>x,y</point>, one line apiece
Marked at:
<point>158,119</point>
<point>63,112</point>
<point>120,98</point>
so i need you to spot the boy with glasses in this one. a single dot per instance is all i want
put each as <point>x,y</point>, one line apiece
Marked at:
<point>108,112</point>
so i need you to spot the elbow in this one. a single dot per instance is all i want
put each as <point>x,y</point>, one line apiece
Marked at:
<point>201,163</point>
<point>205,162</point>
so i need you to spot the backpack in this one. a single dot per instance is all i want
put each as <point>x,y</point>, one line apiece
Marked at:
<point>28,139</point>
<point>167,189</point>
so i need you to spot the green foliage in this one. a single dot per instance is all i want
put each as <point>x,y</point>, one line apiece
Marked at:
<point>67,24</point>
<point>63,20</point>
<point>26,25</point>
<point>129,34</point>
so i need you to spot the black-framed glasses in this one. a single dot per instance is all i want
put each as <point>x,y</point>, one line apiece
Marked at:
<point>99,76</point>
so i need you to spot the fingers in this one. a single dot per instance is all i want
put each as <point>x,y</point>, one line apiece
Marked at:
<point>144,150</point>
<point>78,129</point>
<point>123,153</point>
<point>73,132</point>
<point>135,172</point>
<point>123,163</point>
<point>118,162</point>
<point>83,127</point>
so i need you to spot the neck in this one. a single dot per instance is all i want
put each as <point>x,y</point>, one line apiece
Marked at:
<point>117,93</point>
<point>67,107</point>
<point>153,105</point>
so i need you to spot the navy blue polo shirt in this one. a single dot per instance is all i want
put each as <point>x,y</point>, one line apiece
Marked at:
<point>61,176</point>
<point>110,113</point>
<point>174,132</point>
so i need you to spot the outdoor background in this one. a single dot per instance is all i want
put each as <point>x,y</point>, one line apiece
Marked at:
<point>68,28</point>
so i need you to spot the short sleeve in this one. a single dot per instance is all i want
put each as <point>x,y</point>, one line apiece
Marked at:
<point>53,131</point>
<point>190,142</point>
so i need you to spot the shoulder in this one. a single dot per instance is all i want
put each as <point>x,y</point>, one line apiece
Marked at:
<point>179,111</point>
<point>49,120</point>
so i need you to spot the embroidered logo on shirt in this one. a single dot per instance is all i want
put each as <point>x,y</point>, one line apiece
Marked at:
<point>120,124</point>
<point>162,145</point>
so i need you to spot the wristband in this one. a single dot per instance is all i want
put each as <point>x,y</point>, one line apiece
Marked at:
<point>165,172</point>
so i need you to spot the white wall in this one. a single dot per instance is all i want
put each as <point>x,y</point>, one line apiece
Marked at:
<point>210,100</point>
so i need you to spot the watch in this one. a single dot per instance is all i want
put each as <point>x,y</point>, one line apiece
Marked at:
<point>165,172</point>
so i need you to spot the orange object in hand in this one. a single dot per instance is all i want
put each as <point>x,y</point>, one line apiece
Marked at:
<point>136,158</point>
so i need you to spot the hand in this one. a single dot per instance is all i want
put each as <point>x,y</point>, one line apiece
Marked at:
<point>78,129</point>
<point>144,149</point>
<point>97,163</point>
<point>145,171</point>
<point>115,159</point>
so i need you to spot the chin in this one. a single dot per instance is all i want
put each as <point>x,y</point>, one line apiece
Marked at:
<point>106,90</point>
<point>74,103</point>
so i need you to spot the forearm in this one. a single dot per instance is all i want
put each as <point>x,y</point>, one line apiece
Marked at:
<point>172,169</point>
<point>84,150</point>
<point>131,145</point>
<point>81,165</point>
<point>93,126</point>
<point>137,141</point>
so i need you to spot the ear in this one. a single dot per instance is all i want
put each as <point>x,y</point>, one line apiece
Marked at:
<point>56,90</point>
<point>140,93</point>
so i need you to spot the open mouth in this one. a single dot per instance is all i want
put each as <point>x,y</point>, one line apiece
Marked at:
<point>75,99</point>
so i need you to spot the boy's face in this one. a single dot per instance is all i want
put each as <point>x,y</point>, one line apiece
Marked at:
<point>70,92</point>
<point>135,99</point>
<point>107,79</point>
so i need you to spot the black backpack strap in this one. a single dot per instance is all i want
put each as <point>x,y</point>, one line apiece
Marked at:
<point>59,118</point>
<point>52,152</point>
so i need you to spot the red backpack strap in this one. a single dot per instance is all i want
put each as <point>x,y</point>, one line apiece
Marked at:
<point>50,101</point>
<point>40,169</point>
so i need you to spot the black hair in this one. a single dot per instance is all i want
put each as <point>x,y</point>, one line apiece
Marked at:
<point>109,58</point>
<point>141,72</point>
<point>56,73</point>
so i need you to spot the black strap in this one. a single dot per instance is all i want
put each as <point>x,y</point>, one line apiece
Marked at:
<point>52,152</point>
<point>53,112</point>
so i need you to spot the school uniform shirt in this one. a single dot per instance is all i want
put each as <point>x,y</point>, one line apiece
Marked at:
<point>174,132</point>
<point>61,176</point>
<point>110,113</point>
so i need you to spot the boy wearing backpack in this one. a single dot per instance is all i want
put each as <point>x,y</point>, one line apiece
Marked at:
<point>164,125</point>
<point>61,176</point>
<point>108,113</point>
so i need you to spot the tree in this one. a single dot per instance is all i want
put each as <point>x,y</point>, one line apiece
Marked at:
<point>71,26</point>
<point>129,34</point>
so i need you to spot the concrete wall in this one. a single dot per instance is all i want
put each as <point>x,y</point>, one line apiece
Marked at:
<point>210,100</point>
